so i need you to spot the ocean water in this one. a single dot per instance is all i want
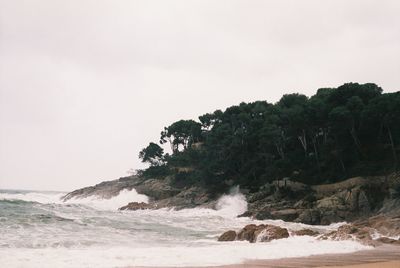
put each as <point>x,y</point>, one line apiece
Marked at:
<point>37,229</point>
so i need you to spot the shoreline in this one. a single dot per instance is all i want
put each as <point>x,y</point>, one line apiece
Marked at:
<point>382,256</point>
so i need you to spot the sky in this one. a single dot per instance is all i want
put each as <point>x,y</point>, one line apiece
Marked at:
<point>85,85</point>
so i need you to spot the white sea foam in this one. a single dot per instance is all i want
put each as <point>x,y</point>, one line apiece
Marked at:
<point>40,197</point>
<point>233,204</point>
<point>122,199</point>
<point>90,232</point>
<point>212,254</point>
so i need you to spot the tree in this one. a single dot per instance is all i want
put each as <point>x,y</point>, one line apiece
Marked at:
<point>152,154</point>
<point>181,133</point>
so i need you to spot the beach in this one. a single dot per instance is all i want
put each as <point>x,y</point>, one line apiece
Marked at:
<point>383,257</point>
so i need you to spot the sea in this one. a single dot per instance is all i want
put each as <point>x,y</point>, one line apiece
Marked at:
<point>37,229</point>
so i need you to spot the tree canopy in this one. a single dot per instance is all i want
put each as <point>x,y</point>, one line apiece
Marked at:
<point>339,132</point>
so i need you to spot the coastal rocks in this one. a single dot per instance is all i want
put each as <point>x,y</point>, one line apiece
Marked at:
<point>271,232</point>
<point>137,206</point>
<point>309,216</point>
<point>304,232</point>
<point>256,233</point>
<point>351,232</point>
<point>285,214</point>
<point>391,241</point>
<point>384,225</point>
<point>162,192</point>
<point>227,236</point>
<point>371,231</point>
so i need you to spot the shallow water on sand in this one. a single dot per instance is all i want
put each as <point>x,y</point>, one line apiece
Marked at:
<point>37,229</point>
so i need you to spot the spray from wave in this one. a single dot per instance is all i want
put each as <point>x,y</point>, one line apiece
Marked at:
<point>123,198</point>
<point>89,232</point>
<point>233,204</point>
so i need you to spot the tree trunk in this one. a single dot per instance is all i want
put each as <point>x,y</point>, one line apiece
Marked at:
<point>303,140</point>
<point>342,165</point>
<point>393,148</point>
<point>316,152</point>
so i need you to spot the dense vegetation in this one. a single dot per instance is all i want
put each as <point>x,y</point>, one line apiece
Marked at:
<point>339,132</point>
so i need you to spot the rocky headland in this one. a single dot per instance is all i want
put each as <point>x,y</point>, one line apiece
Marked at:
<point>370,206</point>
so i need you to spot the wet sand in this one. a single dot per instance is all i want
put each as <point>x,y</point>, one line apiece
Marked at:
<point>382,257</point>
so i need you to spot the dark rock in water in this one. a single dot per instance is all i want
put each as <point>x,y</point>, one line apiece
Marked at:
<point>262,233</point>
<point>285,214</point>
<point>308,232</point>
<point>386,240</point>
<point>161,191</point>
<point>309,216</point>
<point>263,215</point>
<point>351,232</point>
<point>364,230</point>
<point>248,232</point>
<point>227,236</point>
<point>385,225</point>
<point>272,232</point>
<point>246,214</point>
<point>137,206</point>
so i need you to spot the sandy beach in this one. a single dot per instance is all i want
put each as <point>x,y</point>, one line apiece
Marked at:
<point>382,257</point>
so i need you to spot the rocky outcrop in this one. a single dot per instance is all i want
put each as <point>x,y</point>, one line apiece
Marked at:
<point>137,206</point>
<point>351,232</point>
<point>227,236</point>
<point>371,231</point>
<point>256,233</point>
<point>304,232</point>
<point>349,200</point>
<point>161,192</point>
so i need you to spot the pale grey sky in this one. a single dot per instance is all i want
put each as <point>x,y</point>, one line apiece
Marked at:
<point>84,85</point>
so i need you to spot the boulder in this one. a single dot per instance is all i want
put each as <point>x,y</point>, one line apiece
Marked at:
<point>249,232</point>
<point>262,233</point>
<point>351,232</point>
<point>309,216</point>
<point>386,240</point>
<point>263,215</point>
<point>137,206</point>
<point>271,232</point>
<point>285,214</point>
<point>385,225</point>
<point>227,236</point>
<point>308,232</point>
<point>331,203</point>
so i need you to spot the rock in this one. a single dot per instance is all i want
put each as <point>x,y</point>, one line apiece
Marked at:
<point>385,225</point>
<point>285,214</point>
<point>272,232</point>
<point>262,233</point>
<point>309,216</point>
<point>386,240</point>
<point>351,232</point>
<point>330,203</point>
<point>248,232</point>
<point>246,214</point>
<point>137,206</point>
<point>363,203</point>
<point>227,236</point>
<point>263,215</point>
<point>308,232</point>
<point>330,216</point>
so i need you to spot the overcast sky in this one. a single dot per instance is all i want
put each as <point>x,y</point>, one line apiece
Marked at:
<point>84,85</point>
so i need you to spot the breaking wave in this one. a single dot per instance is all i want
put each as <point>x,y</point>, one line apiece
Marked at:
<point>39,230</point>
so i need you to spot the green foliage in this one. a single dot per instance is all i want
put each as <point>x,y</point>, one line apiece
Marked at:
<point>352,130</point>
<point>156,172</point>
<point>182,133</point>
<point>152,154</point>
